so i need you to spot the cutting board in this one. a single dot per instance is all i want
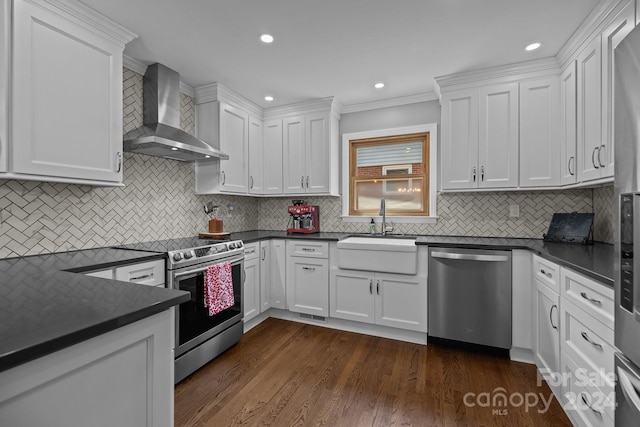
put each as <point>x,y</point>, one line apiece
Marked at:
<point>219,235</point>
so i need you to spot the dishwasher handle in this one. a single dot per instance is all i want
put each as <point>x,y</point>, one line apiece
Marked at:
<point>470,257</point>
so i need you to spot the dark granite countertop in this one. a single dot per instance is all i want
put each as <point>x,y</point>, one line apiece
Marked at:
<point>45,305</point>
<point>595,261</point>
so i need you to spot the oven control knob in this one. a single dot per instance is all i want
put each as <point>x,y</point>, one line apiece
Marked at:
<point>232,245</point>
<point>177,256</point>
<point>188,255</point>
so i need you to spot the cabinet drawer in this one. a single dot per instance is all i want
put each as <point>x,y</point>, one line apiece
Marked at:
<point>593,297</point>
<point>592,403</point>
<point>150,273</point>
<point>309,249</point>
<point>251,250</point>
<point>584,337</point>
<point>547,272</point>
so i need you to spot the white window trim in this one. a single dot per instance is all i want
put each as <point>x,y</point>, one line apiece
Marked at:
<point>432,128</point>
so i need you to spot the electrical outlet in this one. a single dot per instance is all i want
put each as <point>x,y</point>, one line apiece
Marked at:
<point>514,211</point>
<point>230,209</point>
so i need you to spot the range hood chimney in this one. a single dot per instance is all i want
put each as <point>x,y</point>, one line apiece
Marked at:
<point>161,135</point>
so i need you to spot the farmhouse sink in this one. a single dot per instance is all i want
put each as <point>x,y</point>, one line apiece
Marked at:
<point>381,254</point>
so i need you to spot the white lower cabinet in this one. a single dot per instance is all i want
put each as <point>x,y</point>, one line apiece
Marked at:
<point>251,296</point>
<point>547,335</point>
<point>277,274</point>
<point>150,273</point>
<point>121,378</point>
<point>394,300</point>
<point>307,277</point>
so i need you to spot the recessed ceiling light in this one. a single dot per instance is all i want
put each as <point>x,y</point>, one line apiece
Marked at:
<point>533,46</point>
<point>174,149</point>
<point>266,38</point>
<point>268,98</point>
<point>379,85</point>
<point>207,156</point>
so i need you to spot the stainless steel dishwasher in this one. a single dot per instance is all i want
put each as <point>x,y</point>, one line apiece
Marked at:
<point>470,296</point>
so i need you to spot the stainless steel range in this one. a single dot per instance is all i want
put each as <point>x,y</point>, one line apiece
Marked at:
<point>199,336</point>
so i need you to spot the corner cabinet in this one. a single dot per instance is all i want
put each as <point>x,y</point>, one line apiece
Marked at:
<point>66,93</point>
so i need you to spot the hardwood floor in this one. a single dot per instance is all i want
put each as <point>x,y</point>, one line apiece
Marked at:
<point>284,373</point>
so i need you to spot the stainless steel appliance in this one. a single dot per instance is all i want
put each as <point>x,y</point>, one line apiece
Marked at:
<point>627,195</point>
<point>199,336</point>
<point>470,296</point>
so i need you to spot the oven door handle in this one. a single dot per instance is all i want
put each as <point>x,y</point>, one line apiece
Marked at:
<point>199,270</point>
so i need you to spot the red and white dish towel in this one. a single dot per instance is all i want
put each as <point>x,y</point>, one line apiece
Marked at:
<point>218,288</point>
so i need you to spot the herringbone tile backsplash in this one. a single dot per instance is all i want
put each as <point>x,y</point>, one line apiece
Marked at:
<point>158,202</point>
<point>469,214</point>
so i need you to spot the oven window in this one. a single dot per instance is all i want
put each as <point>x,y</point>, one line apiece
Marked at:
<point>194,316</point>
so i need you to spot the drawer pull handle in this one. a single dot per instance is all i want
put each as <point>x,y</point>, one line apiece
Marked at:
<point>308,249</point>
<point>145,276</point>
<point>551,316</point>
<point>545,273</point>
<point>587,339</point>
<point>309,268</point>
<point>588,404</point>
<point>591,300</point>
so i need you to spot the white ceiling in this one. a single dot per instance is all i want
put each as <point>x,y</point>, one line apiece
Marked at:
<point>339,47</point>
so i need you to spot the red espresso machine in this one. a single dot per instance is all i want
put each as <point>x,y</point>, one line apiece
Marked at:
<point>305,218</point>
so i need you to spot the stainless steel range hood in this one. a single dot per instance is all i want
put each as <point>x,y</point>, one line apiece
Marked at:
<point>161,135</point>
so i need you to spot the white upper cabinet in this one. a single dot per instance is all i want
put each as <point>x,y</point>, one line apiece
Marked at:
<point>310,153</point>
<point>540,132</point>
<point>498,136</point>
<point>480,137</point>
<point>294,159</point>
<point>568,127</point>
<point>621,25</point>
<point>234,141</point>
<point>66,94</point>
<point>459,139</point>
<point>272,157</point>
<point>589,78</point>
<point>256,156</point>
<point>5,51</point>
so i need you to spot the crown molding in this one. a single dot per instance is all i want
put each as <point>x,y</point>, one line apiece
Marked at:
<point>187,90</point>
<point>391,102</point>
<point>502,74</point>
<point>219,92</point>
<point>593,25</point>
<point>134,64</point>
<point>89,19</point>
<point>305,107</point>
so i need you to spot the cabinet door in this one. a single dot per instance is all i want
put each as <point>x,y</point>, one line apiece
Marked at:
<point>277,281</point>
<point>568,128</point>
<point>498,136</point>
<point>272,181</point>
<point>547,333</point>
<point>265,275</point>
<point>460,140</point>
<point>5,57</point>
<point>622,25</point>
<point>294,155</point>
<point>539,132</point>
<point>352,295</point>
<point>235,142</point>
<point>251,293</point>
<point>318,152</point>
<point>67,120</point>
<point>589,78</point>
<point>256,157</point>
<point>401,301</point>
<point>307,285</point>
